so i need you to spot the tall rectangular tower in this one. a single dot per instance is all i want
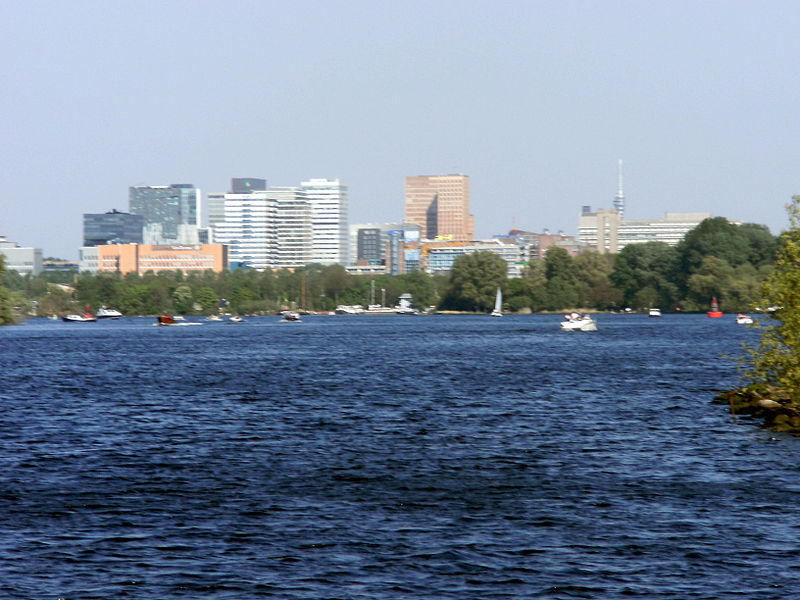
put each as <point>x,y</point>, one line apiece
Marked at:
<point>328,200</point>
<point>439,205</point>
<point>269,229</point>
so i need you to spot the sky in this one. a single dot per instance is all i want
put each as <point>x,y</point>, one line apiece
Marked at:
<point>536,101</point>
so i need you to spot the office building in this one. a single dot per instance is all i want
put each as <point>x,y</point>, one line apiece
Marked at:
<point>25,261</point>
<point>265,229</point>
<point>608,232</point>
<point>328,201</point>
<point>437,258</point>
<point>365,252</point>
<point>143,258</point>
<point>172,213</point>
<point>439,205</point>
<point>113,227</point>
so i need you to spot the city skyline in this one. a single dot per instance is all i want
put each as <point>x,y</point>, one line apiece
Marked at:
<point>537,108</point>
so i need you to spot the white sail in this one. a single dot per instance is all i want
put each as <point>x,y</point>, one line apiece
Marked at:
<point>498,304</point>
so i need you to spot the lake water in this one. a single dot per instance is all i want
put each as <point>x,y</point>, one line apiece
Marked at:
<point>388,457</point>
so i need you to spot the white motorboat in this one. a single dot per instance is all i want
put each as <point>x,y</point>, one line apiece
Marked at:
<point>744,319</point>
<point>654,312</point>
<point>349,309</point>
<point>108,313</point>
<point>290,315</point>
<point>498,304</point>
<point>213,318</point>
<point>86,317</point>
<point>576,322</point>
<point>235,319</point>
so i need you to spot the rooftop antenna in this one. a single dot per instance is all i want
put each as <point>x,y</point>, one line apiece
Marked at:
<point>619,199</point>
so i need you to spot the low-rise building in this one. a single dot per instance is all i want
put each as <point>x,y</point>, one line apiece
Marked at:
<point>437,258</point>
<point>607,231</point>
<point>25,261</point>
<point>141,258</point>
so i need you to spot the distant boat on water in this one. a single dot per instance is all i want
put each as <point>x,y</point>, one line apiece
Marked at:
<point>86,317</point>
<point>654,312</point>
<point>498,304</point>
<point>108,313</point>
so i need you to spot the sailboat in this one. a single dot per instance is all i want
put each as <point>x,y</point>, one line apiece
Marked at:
<point>498,304</point>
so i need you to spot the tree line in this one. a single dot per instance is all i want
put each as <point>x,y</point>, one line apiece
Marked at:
<point>716,259</point>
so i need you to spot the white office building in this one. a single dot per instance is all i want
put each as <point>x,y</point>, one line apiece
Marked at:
<point>25,261</point>
<point>609,232</point>
<point>328,200</point>
<point>268,229</point>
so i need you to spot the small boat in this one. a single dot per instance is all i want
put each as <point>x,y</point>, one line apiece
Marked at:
<point>213,318</point>
<point>577,322</point>
<point>498,304</point>
<point>108,313</point>
<point>167,320</point>
<point>349,309</point>
<point>86,317</point>
<point>715,312</point>
<point>654,312</point>
<point>235,319</point>
<point>743,319</point>
<point>290,315</point>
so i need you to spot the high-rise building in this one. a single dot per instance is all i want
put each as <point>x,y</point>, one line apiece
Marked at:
<point>113,227</point>
<point>370,246</point>
<point>293,227</point>
<point>172,213</point>
<point>439,205</point>
<point>266,229</point>
<point>328,200</point>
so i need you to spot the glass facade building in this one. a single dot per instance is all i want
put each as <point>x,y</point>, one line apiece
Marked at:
<point>168,207</point>
<point>113,227</point>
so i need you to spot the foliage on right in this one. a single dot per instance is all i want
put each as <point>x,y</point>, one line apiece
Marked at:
<point>6,316</point>
<point>776,360</point>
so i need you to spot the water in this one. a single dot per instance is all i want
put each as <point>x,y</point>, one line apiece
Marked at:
<point>385,457</point>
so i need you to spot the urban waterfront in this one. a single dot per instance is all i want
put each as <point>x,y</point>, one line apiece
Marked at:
<point>388,457</point>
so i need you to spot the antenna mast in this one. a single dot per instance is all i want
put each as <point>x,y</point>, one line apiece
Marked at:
<point>619,199</point>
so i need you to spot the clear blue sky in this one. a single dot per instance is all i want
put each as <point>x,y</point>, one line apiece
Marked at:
<point>534,100</point>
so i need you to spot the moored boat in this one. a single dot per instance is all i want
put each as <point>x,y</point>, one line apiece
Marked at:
<point>654,312</point>
<point>743,319</point>
<point>290,315</point>
<point>108,313</point>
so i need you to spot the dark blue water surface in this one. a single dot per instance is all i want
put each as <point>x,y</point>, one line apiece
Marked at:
<point>386,457</point>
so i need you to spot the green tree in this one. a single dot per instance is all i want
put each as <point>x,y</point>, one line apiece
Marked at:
<point>561,289</point>
<point>335,280</point>
<point>645,274</point>
<point>474,280</point>
<point>6,316</point>
<point>182,299</point>
<point>593,271</point>
<point>776,360</point>
<point>207,298</point>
